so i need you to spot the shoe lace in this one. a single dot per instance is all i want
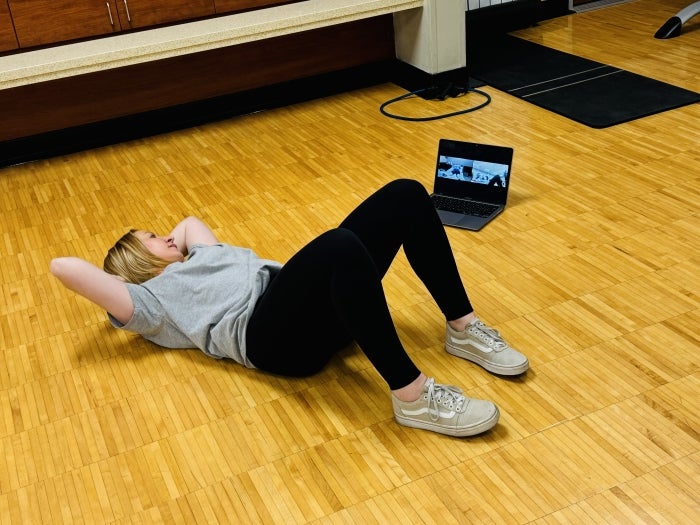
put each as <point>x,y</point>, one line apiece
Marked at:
<point>446,395</point>
<point>489,335</point>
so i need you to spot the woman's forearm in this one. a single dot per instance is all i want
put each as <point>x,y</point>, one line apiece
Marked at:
<point>96,285</point>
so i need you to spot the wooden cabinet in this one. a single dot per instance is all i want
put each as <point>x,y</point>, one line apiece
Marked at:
<point>135,14</point>
<point>42,22</point>
<point>8,40</point>
<point>46,22</point>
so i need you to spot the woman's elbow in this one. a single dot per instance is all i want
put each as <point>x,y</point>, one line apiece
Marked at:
<point>56,266</point>
<point>63,267</point>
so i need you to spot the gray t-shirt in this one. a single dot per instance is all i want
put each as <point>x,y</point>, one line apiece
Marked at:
<point>204,302</point>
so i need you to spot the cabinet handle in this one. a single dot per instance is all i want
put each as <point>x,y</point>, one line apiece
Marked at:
<point>128,16</point>
<point>109,12</point>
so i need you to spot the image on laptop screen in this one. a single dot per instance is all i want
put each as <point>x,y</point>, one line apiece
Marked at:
<point>475,171</point>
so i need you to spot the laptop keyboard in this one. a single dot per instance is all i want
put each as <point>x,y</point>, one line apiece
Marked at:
<point>478,209</point>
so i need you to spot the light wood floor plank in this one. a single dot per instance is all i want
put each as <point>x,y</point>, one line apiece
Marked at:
<point>592,271</point>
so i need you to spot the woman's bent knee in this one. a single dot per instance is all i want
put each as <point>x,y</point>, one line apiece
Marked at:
<point>408,185</point>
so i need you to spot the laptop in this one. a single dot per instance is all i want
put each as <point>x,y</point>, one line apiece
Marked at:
<point>471,183</point>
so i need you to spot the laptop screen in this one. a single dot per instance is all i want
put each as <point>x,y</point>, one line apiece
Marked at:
<point>475,171</point>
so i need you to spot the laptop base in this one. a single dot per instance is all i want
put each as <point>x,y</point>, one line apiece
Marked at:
<point>457,220</point>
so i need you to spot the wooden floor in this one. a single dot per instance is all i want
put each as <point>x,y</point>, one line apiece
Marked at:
<point>592,271</point>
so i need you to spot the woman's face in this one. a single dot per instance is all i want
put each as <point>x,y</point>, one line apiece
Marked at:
<point>163,247</point>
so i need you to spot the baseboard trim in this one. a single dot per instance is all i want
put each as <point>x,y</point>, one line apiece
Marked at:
<point>415,80</point>
<point>151,123</point>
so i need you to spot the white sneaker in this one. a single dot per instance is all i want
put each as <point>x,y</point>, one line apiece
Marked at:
<point>443,409</point>
<point>484,346</point>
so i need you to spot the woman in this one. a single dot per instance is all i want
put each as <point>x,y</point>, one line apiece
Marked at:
<point>187,290</point>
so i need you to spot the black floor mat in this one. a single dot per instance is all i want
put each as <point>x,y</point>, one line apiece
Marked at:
<point>594,94</point>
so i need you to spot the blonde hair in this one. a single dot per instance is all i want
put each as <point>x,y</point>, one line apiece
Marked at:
<point>132,261</point>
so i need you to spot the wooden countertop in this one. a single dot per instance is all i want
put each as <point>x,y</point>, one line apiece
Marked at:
<point>192,37</point>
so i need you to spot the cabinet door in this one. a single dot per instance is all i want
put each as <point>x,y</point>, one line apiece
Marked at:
<point>230,6</point>
<point>40,22</point>
<point>8,40</point>
<point>143,13</point>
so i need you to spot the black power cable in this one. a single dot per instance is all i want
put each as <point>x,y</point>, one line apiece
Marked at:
<point>440,93</point>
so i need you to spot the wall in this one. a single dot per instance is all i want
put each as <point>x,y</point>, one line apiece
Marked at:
<point>434,39</point>
<point>476,4</point>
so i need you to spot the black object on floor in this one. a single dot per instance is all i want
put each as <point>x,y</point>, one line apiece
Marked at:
<point>594,94</point>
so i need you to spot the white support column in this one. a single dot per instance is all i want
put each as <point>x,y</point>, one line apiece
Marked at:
<point>432,38</point>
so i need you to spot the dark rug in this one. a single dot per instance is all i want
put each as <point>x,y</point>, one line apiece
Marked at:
<point>594,94</point>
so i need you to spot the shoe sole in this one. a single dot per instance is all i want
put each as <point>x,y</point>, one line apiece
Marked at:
<point>473,430</point>
<point>495,369</point>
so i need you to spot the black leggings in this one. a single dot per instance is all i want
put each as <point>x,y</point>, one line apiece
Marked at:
<point>330,292</point>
